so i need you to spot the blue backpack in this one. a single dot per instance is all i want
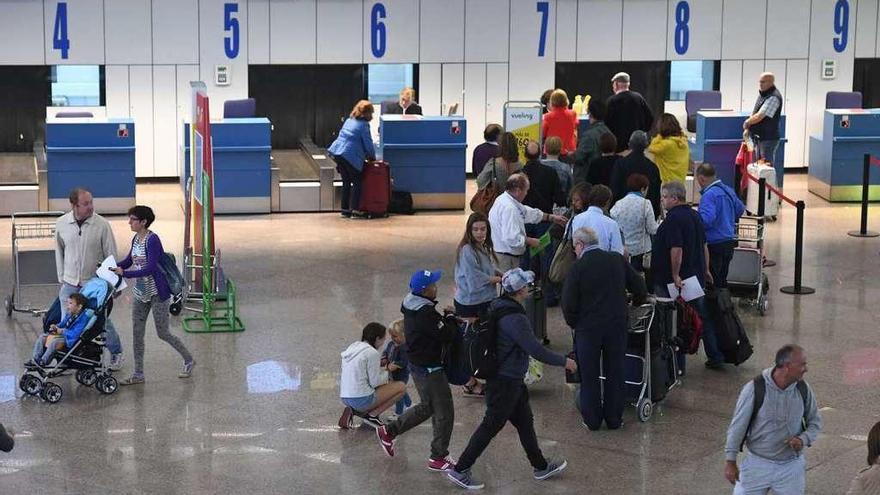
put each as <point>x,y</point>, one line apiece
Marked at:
<point>168,266</point>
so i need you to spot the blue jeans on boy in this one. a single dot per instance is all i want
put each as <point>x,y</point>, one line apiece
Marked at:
<point>43,357</point>
<point>402,404</point>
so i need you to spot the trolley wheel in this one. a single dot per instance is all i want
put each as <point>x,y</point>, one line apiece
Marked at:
<point>9,304</point>
<point>175,308</point>
<point>51,393</point>
<point>106,385</point>
<point>763,304</point>
<point>645,409</point>
<point>32,385</point>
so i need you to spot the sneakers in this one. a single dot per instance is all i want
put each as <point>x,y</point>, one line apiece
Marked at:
<point>714,365</point>
<point>116,362</point>
<point>441,464</point>
<point>386,441</point>
<point>187,370</point>
<point>345,420</point>
<point>464,480</point>
<point>132,380</point>
<point>552,469</point>
<point>373,421</point>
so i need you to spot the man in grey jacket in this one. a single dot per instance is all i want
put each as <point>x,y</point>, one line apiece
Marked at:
<point>785,422</point>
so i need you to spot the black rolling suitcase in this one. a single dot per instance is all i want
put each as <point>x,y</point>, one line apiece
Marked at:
<point>733,341</point>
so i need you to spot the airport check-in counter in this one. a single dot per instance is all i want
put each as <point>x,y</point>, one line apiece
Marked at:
<point>94,153</point>
<point>242,164</point>
<point>427,156</point>
<point>718,139</point>
<point>836,157</point>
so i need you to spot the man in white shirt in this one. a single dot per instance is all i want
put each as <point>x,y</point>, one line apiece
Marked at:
<point>606,229</point>
<point>508,218</point>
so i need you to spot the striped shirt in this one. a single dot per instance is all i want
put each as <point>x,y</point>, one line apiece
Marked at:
<point>144,287</point>
<point>770,107</point>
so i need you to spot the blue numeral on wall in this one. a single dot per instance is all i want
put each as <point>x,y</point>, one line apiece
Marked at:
<point>230,25</point>
<point>377,30</point>
<point>59,34</point>
<point>841,25</point>
<point>544,10</point>
<point>681,40</point>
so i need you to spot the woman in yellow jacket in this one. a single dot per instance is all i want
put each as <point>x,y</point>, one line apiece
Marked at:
<point>670,150</point>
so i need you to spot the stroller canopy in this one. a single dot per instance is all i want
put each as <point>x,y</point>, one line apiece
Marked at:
<point>97,291</point>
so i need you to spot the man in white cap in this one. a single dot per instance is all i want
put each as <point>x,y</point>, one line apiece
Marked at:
<point>507,398</point>
<point>627,111</point>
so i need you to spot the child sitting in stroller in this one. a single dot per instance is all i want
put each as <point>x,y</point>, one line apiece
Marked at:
<point>66,333</point>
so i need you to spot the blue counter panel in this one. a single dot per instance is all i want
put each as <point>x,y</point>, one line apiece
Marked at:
<point>718,139</point>
<point>836,157</point>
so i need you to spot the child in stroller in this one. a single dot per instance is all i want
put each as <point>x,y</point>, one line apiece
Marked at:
<point>83,348</point>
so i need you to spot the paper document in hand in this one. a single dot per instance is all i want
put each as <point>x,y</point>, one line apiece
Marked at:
<point>543,242</point>
<point>690,289</point>
<point>104,272</point>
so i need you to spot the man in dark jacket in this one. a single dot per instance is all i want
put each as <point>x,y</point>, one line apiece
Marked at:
<point>594,305</point>
<point>428,333</point>
<point>588,143</point>
<point>627,111</point>
<point>763,123</point>
<point>507,398</point>
<point>636,163</point>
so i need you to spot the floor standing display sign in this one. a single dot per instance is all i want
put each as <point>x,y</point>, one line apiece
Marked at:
<point>523,119</point>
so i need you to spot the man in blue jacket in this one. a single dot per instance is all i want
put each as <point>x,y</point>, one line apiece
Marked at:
<point>719,209</point>
<point>507,398</point>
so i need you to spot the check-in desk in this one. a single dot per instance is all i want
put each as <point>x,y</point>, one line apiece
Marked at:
<point>427,156</point>
<point>718,139</point>
<point>97,154</point>
<point>242,164</point>
<point>836,157</point>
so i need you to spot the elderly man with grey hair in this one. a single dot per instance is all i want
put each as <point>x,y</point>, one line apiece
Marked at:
<point>594,304</point>
<point>636,163</point>
<point>627,111</point>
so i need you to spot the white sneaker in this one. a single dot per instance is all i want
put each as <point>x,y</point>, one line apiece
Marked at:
<point>116,362</point>
<point>187,370</point>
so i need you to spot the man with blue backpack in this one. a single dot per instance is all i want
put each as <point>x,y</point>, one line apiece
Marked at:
<point>507,398</point>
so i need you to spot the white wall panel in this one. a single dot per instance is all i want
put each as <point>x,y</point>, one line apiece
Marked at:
<point>795,110</point>
<point>212,43</point>
<point>731,84</point>
<point>258,31</point>
<point>184,74</point>
<point>430,88</point>
<point>116,91</point>
<point>128,31</point>
<point>176,32</point>
<point>644,24</point>
<point>452,89</point>
<point>496,92</point>
<point>600,23</point>
<point>566,30</point>
<point>530,72</point>
<point>164,117</point>
<point>703,27</point>
<point>21,33</point>
<point>866,28</point>
<point>441,38</point>
<point>401,31</point>
<point>340,31</point>
<point>474,104</point>
<point>751,72</point>
<point>85,32</point>
<point>293,32</point>
<point>779,69</point>
<point>141,110</point>
<point>486,30</point>
<point>743,34</point>
<point>790,35</point>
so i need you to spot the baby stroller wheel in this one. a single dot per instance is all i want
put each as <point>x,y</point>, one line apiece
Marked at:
<point>86,377</point>
<point>107,385</point>
<point>175,308</point>
<point>22,383</point>
<point>32,385</point>
<point>645,409</point>
<point>51,393</point>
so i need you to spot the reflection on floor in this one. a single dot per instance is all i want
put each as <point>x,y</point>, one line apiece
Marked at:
<point>259,413</point>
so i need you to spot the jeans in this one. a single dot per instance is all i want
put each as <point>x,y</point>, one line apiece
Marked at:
<point>766,150</point>
<point>139,312</point>
<point>402,404</point>
<point>44,357</point>
<point>507,262</point>
<point>435,402</point>
<point>710,340</point>
<point>608,347</point>
<point>507,399</point>
<point>757,476</point>
<point>351,184</point>
<point>720,255</point>
<point>114,345</point>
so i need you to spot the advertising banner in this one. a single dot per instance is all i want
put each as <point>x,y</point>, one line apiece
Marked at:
<point>523,119</point>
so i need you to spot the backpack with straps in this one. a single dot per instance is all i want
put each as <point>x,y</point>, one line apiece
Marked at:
<point>477,353</point>
<point>761,390</point>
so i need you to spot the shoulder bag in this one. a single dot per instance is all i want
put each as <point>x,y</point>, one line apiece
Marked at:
<point>646,257</point>
<point>563,258</point>
<point>484,198</point>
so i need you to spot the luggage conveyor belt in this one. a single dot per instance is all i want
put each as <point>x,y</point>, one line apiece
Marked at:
<point>20,182</point>
<point>304,180</point>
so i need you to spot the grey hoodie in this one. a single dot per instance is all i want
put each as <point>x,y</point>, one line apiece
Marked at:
<point>778,420</point>
<point>361,371</point>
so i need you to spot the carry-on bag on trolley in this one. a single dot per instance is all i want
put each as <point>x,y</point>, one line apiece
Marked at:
<point>375,189</point>
<point>771,201</point>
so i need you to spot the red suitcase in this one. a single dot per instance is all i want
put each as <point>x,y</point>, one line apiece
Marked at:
<point>375,189</point>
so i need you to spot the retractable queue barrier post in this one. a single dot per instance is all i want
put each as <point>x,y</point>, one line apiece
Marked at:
<point>866,179</point>
<point>798,288</point>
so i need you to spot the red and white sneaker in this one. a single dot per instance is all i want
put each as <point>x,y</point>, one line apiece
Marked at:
<point>386,441</point>
<point>441,464</point>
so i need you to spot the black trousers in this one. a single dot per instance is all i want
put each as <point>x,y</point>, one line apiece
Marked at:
<point>720,255</point>
<point>351,184</point>
<point>507,399</point>
<point>609,344</point>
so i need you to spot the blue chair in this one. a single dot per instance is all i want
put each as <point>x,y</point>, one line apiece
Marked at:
<point>694,101</point>
<point>843,99</point>
<point>237,109</point>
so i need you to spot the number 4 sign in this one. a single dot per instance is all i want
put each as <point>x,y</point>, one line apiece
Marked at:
<point>59,33</point>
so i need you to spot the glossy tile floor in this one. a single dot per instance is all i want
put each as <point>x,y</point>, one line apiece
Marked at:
<point>259,413</point>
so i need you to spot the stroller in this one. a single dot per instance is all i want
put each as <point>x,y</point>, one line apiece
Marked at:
<point>88,356</point>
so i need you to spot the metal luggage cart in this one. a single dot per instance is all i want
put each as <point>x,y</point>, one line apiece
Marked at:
<point>32,265</point>
<point>640,320</point>
<point>746,278</point>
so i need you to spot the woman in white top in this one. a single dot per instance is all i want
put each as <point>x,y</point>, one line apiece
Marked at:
<point>635,216</point>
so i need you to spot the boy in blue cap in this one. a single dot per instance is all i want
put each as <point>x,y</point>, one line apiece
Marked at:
<point>427,334</point>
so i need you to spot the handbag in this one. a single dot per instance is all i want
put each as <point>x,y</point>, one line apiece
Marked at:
<point>484,198</point>
<point>563,258</point>
<point>646,257</point>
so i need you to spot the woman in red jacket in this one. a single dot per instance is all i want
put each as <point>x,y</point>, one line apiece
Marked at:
<point>561,122</point>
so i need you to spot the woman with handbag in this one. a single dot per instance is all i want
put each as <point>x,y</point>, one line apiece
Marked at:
<point>493,179</point>
<point>635,216</point>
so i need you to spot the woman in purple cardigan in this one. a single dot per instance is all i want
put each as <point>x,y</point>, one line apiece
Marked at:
<point>150,292</point>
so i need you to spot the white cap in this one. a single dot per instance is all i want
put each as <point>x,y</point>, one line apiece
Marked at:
<point>515,279</point>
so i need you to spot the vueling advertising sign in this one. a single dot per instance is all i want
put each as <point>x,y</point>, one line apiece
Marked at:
<point>523,119</point>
